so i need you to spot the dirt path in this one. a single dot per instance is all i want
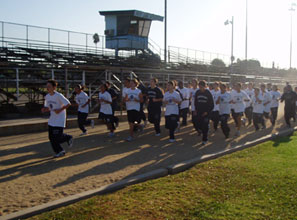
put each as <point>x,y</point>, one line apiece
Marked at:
<point>29,176</point>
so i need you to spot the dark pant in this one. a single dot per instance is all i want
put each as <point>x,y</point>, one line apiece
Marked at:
<point>249,114</point>
<point>184,115</point>
<point>215,117</point>
<point>273,118</point>
<point>142,115</point>
<point>57,137</point>
<point>171,124</point>
<point>289,113</point>
<point>115,119</point>
<point>154,117</point>
<point>233,114</point>
<point>82,121</point>
<point>257,119</point>
<point>194,121</point>
<point>224,124</point>
<point>203,126</point>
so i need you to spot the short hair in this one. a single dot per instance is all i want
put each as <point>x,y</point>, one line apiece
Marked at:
<point>104,85</point>
<point>53,82</point>
<point>108,83</point>
<point>202,83</point>
<point>155,80</point>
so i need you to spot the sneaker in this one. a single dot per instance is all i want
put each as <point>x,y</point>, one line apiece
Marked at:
<point>204,142</point>
<point>129,139</point>
<point>84,133</point>
<point>237,133</point>
<point>70,142</point>
<point>92,123</point>
<point>60,154</point>
<point>157,135</point>
<point>171,140</point>
<point>110,134</point>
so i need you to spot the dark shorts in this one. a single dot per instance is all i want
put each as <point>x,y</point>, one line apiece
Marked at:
<point>237,114</point>
<point>106,118</point>
<point>133,116</point>
<point>171,121</point>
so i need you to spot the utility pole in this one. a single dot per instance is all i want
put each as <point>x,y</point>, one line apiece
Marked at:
<point>165,34</point>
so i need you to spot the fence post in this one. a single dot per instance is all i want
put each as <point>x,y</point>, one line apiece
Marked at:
<point>2,33</point>
<point>53,74</point>
<point>17,83</point>
<point>27,35</point>
<point>86,43</point>
<point>48,37</point>
<point>66,83</point>
<point>68,41</point>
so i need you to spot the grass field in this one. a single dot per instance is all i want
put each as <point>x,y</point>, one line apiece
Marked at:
<point>257,183</point>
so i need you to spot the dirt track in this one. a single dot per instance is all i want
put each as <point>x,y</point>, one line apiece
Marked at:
<point>29,175</point>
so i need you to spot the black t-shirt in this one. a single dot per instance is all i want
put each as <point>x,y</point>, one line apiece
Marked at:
<point>290,99</point>
<point>143,90</point>
<point>154,93</point>
<point>203,102</point>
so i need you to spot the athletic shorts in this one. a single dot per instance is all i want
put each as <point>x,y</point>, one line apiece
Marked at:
<point>171,121</point>
<point>133,116</point>
<point>106,118</point>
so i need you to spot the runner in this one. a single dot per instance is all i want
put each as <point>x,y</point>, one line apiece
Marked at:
<point>238,99</point>
<point>106,113</point>
<point>258,108</point>
<point>114,105</point>
<point>223,101</point>
<point>203,107</point>
<point>143,90</point>
<point>267,102</point>
<point>275,97</point>
<point>56,104</point>
<point>290,99</point>
<point>249,105</point>
<point>82,101</point>
<point>155,98</point>
<point>215,114</point>
<point>171,99</point>
<point>184,106</point>
<point>133,99</point>
<point>193,91</point>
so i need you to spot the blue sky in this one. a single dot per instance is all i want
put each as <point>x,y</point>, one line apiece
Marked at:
<point>197,24</point>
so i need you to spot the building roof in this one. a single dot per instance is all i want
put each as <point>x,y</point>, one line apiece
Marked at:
<point>135,13</point>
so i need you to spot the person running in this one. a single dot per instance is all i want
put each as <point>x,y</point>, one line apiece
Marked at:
<point>238,99</point>
<point>133,99</point>
<point>171,99</point>
<point>203,106</point>
<point>82,101</point>
<point>114,105</point>
<point>193,90</point>
<point>267,102</point>
<point>296,100</point>
<point>249,106</point>
<point>258,108</point>
<point>184,106</point>
<point>275,97</point>
<point>223,101</point>
<point>215,115</point>
<point>56,104</point>
<point>155,99</point>
<point>106,113</point>
<point>290,98</point>
<point>143,90</point>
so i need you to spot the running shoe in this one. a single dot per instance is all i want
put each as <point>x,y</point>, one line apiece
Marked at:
<point>237,133</point>
<point>204,142</point>
<point>129,139</point>
<point>157,135</point>
<point>84,133</point>
<point>111,134</point>
<point>171,140</point>
<point>60,154</point>
<point>70,142</point>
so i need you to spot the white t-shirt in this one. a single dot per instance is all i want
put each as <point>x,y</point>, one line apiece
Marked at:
<point>171,106</point>
<point>267,98</point>
<point>105,108</point>
<point>54,102</point>
<point>250,93</point>
<point>133,94</point>
<point>192,95</point>
<point>275,96</point>
<point>239,100</point>
<point>186,95</point>
<point>258,107</point>
<point>81,99</point>
<point>224,106</point>
<point>215,95</point>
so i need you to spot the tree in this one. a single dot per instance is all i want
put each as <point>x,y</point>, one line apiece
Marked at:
<point>218,63</point>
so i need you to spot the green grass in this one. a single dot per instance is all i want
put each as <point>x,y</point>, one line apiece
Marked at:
<point>257,183</point>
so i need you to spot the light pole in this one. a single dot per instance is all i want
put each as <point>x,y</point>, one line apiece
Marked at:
<point>165,33</point>
<point>292,9</point>
<point>246,28</point>
<point>232,57</point>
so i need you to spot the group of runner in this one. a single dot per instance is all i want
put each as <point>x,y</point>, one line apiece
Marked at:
<point>214,102</point>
